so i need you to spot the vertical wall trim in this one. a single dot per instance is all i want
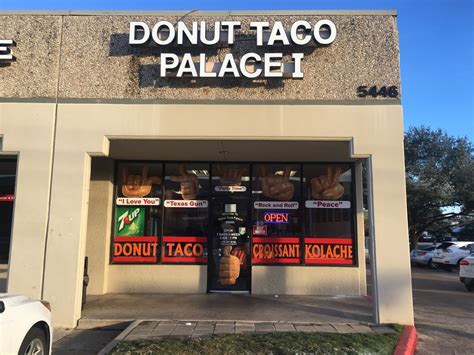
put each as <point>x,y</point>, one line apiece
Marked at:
<point>53,151</point>
<point>372,241</point>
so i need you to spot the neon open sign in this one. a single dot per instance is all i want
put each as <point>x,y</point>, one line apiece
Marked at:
<point>275,217</point>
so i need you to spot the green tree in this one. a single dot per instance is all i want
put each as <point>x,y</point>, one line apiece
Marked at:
<point>440,181</point>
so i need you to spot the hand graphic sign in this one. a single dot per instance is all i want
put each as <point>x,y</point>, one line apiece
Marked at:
<point>229,267</point>
<point>278,187</point>
<point>189,184</point>
<point>138,185</point>
<point>327,187</point>
<point>229,176</point>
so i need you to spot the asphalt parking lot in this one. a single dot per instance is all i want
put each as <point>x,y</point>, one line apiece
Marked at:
<point>444,318</point>
<point>444,312</point>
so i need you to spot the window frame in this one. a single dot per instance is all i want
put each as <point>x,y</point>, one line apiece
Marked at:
<point>353,199</point>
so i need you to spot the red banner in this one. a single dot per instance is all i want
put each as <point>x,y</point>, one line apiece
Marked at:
<point>328,251</point>
<point>184,249</point>
<point>7,198</point>
<point>135,249</point>
<point>285,250</point>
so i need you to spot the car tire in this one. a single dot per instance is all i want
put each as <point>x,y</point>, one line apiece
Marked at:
<point>469,285</point>
<point>34,343</point>
<point>433,265</point>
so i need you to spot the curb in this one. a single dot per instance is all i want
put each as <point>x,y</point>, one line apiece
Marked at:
<point>407,343</point>
<point>108,348</point>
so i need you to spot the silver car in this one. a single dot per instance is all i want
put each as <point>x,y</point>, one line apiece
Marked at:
<point>423,256</point>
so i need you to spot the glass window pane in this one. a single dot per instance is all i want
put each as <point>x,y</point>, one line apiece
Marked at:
<point>276,215</point>
<point>137,217</point>
<point>329,211</point>
<point>186,213</point>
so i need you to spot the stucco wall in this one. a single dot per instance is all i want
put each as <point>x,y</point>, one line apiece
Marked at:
<point>374,131</point>
<point>296,280</point>
<point>96,61</point>
<point>26,130</point>
<point>97,88</point>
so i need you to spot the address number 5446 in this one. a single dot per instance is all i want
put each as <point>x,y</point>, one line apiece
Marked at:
<point>374,91</point>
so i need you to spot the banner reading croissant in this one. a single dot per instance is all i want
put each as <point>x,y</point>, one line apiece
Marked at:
<point>275,250</point>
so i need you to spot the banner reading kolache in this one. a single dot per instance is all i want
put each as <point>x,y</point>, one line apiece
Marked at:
<point>225,33</point>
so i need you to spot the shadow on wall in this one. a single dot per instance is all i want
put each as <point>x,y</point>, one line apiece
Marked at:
<point>3,278</point>
<point>148,75</point>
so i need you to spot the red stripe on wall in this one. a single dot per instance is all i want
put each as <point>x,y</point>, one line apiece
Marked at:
<point>135,259</point>
<point>329,261</point>
<point>119,239</point>
<point>7,198</point>
<point>275,240</point>
<point>275,261</point>
<point>328,240</point>
<point>188,239</point>
<point>184,259</point>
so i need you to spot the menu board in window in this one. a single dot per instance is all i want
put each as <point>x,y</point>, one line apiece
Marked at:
<point>185,213</point>
<point>137,213</point>
<point>329,212</point>
<point>276,216</point>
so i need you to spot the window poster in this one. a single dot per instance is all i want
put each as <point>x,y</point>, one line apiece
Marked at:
<point>329,230</point>
<point>276,216</point>
<point>185,213</point>
<point>137,213</point>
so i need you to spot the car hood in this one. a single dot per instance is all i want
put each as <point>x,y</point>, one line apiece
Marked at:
<point>13,300</point>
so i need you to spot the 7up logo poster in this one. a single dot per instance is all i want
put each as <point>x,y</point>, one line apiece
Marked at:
<point>129,221</point>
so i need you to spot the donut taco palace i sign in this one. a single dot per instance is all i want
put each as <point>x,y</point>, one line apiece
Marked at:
<point>6,55</point>
<point>251,65</point>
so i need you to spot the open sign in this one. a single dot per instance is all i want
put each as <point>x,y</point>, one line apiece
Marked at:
<point>275,217</point>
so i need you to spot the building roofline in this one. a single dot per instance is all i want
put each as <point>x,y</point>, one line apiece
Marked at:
<point>200,13</point>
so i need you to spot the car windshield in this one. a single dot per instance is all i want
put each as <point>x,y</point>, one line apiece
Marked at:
<point>467,247</point>
<point>444,245</point>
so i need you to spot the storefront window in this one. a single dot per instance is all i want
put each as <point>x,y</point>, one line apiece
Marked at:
<point>276,214</point>
<point>185,213</point>
<point>137,217</point>
<point>292,214</point>
<point>329,212</point>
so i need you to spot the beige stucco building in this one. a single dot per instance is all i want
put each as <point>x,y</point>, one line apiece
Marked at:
<point>265,171</point>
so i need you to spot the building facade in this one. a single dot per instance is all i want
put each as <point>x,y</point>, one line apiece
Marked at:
<point>204,152</point>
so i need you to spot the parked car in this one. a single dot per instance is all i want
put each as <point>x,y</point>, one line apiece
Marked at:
<point>466,272</point>
<point>25,325</point>
<point>423,256</point>
<point>449,254</point>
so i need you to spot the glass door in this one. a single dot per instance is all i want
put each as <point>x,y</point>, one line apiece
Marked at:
<point>229,235</point>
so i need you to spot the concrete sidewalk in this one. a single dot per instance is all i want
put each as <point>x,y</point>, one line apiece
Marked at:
<point>233,307</point>
<point>153,329</point>
<point>167,329</point>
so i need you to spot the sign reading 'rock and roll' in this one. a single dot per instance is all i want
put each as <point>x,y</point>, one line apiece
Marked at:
<point>251,65</point>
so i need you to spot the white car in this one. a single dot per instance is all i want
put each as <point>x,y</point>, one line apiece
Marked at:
<point>450,254</point>
<point>423,256</point>
<point>25,325</point>
<point>466,272</point>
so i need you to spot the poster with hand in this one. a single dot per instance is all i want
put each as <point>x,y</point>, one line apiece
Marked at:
<point>277,187</point>
<point>189,183</point>
<point>136,185</point>
<point>328,187</point>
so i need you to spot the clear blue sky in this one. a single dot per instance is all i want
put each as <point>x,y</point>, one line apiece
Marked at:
<point>436,43</point>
